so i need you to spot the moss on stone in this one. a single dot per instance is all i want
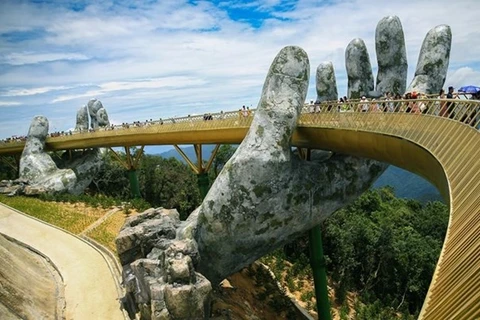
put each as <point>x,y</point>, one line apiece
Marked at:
<point>243,189</point>
<point>275,224</point>
<point>266,216</point>
<point>261,231</point>
<point>64,181</point>
<point>260,190</point>
<point>260,130</point>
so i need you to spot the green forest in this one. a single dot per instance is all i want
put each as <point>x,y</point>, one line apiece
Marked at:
<point>381,248</point>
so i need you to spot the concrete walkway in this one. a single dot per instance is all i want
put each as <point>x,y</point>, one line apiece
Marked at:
<point>90,288</point>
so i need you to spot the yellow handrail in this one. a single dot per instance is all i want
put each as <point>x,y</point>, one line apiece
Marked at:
<point>438,139</point>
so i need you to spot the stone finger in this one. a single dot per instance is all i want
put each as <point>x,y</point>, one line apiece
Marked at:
<point>359,69</point>
<point>82,119</point>
<point>326,83</point>
<point>391,56</point>
<point>433,61</point>
<point>98,114</point>
<point>282,100</point>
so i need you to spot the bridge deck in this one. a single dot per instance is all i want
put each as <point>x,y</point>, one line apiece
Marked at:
<point>445,151</point>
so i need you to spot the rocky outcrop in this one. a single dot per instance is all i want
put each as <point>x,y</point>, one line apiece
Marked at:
<point>159,269</point>
<point>19,187</point>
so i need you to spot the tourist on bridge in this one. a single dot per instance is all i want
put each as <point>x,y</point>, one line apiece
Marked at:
<point>365,105</point>
<point>451,104</point>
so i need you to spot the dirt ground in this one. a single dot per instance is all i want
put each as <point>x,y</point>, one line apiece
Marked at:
<point>251,294</point>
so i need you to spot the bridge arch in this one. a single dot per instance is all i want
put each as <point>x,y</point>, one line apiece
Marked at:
<point>444,150</point>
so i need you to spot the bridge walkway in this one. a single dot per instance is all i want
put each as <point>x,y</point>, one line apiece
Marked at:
<point>442,146</point>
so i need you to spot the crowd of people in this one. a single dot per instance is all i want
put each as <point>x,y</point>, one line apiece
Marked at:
<point>420,103</point>
<point>444,106</point>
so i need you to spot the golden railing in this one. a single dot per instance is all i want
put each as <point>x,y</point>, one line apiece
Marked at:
<point>437,139</point>
<point>442,143</point>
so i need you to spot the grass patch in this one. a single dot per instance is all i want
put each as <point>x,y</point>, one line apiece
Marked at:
<point>74,218</point>
<point>106,232</point>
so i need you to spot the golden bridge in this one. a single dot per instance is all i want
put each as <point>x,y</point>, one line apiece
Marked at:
<point>441,145</point>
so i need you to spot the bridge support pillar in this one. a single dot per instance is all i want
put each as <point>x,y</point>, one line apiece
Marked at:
<point>317,263</point>
<point>130,163</point>
<point>134,185</point>
<point>203,183</point>
<point>200,169</point>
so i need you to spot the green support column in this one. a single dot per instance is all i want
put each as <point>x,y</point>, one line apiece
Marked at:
<point>203,183</point>
<point>317,261</point>
<point>134,185</point>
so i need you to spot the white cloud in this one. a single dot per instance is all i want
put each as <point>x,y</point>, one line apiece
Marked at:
<point>174,57</point>
<point>31,91</point>
<point>170,82</point>
<point>9,103</point>
<point>22,58</point>
<point>463,77</point>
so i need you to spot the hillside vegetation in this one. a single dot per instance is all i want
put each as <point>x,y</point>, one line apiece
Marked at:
<point>380,251</point>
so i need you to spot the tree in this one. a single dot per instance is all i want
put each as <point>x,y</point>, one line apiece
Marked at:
<point>169,183</point>
<point>225,152</point>
<point>8,170</point>
<point>112,180</point>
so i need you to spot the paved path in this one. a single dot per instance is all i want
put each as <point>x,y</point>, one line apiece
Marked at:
<point>90,287</point>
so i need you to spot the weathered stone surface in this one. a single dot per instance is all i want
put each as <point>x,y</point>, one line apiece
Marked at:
<point>392,61</point>
<point>12,187</point>
<point>433,61</point>
<point>158,270</point>
<point>180,269</point>
<point>189,301</point>
<point>359,69</point>
<point>82,119</point>
<point>98,114</point>
<point>143,232</point>
<point>264,197</point>
<point>326,83</point>
<point>37,167</point>
<point>85,164</point>
<point>72,174</point>
<point>391,56</point>
<point>34,190</point>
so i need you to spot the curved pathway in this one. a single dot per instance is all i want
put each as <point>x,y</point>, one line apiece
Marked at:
<point>90,287</point>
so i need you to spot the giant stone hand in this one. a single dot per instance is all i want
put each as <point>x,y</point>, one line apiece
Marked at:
<point>70,174</point>
<point>429,76</point>
<point>265,196</point>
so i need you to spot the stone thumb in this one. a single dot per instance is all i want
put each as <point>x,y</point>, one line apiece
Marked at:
<point>281,103</point>
<point>37,134</point>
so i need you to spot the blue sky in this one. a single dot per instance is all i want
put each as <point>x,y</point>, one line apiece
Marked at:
<point>159,59</point>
